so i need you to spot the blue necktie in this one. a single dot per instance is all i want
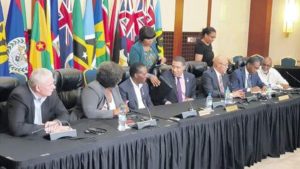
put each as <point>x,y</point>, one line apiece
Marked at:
<point>249,82</point>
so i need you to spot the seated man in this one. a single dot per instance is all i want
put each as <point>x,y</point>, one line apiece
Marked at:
<point>135,90</point>
<point>246,78</point>
<point>101,98</point>
<point>271,76</point>
<point>215,80</point>
<point>184,83</point>
<point>35,106</point>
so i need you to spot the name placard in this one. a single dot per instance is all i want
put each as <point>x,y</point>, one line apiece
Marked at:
<point>284,97</point>
<point>231,108</point>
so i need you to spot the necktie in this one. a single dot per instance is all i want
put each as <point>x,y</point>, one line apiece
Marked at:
<point>179,90</point>
<point>221,86</point>
<point>249,83</point>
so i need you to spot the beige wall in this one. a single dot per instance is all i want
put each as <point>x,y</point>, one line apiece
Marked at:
<point>194,15</point>
<point>280,45</point>
<point>231,20</point>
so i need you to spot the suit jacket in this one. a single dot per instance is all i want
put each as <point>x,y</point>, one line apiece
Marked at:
<point>137,53</point>
<point>190,85</point>
<point>210,83</point>
<point>93,100</point>
<point>238,79</point>
<point>128,94</point>
<point>21,110</point>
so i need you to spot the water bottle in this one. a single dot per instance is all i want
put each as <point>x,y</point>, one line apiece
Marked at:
<point>269,92</point>
<point>209,101</point>
<point>228,98</point>
<point>122,118</point>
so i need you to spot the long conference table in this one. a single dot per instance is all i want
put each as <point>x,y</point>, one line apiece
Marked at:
<point>219,140</point>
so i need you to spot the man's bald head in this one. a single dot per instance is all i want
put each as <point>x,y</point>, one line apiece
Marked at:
<point>220,64</point>
<point>266,64</point>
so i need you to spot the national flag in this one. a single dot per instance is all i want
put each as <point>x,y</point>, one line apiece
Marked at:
<point>140,19</point>
<point>89,33</point>
<point>126,30</point>
<point>15,37</point>
<point>3,50</point>
<point>105,12</point>
<point>113,24</point>
<point>55,33</point>
<point>101,54</point>
<point>41,55</point>
<point>150,15</point>
<point>65,34</point>
<point>79,48</point>
<point>158,30</point>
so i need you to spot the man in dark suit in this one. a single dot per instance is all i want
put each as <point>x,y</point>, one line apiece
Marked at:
<point>183,83</point>
<point>135,90</point>
<point>35,106</point>
<point>246,78</point>
<point>215,80</point>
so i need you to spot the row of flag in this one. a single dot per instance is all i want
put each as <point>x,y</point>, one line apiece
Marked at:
<point>63,37</point>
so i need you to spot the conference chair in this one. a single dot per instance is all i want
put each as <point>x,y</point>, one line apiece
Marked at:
<point>235,59</point>
<point>69,83</point>
<point>7,84</point>
<point>197,68</point>
<point>126,73</point>
<point>22,78</point>
<point>288,62</point>
<point>89,75</point>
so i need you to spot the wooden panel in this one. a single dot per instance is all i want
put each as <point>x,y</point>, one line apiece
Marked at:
<point>177,43</point>
<point>209,13</point>
<point>259,27</point>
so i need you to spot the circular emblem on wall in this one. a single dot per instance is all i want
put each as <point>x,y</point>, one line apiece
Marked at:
<point>16,50</point>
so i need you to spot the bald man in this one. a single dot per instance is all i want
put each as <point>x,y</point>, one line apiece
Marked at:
<point>216,81</point>
<point>35,106</point>
<point>271,76</point>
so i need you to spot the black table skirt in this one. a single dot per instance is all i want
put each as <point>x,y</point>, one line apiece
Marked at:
<point>218,141</point>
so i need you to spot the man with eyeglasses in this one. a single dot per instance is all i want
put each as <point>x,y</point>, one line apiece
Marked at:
<point>271,76</point>
<point>215,80</point>
<point>35,106</point>
<point>247,79</point>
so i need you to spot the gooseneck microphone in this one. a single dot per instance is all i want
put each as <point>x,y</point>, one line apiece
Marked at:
<point>292,76</point>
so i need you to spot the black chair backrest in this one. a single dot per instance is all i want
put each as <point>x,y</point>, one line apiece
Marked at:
<point>7,84</point>
<point>68,86</point>
<point>196,67</point>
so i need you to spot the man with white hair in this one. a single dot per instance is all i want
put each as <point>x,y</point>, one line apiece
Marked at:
<point>35,106</point>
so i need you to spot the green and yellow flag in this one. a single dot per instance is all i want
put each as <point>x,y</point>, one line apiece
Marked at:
<point>41,55</point>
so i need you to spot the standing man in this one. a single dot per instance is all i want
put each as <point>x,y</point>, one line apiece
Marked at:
<point>271,76</point>
<point>184,83</point>
<point>35,106</point>
<point>246,78</point>
<point>215,80</point>
<point>135,90</point>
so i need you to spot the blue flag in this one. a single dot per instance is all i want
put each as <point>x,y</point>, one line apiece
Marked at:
<point>16,44</point>
<point>3,50</point>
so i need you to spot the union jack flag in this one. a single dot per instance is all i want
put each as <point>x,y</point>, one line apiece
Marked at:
<point>140,15</point>
<point>150,15</point>
<point>65,33</point>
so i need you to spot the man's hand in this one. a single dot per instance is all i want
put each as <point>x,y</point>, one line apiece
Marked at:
<point>51,126</point>
<point>238,94</point>
<point>285,86</point>
<point>256,89</point>
<point>154,80</point>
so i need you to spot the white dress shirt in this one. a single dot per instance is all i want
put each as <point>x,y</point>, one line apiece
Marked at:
<point>138,94</point>
<point>38,101</point>
<point>272,78</point>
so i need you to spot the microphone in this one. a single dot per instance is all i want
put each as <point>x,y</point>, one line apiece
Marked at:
<point>296,79</point>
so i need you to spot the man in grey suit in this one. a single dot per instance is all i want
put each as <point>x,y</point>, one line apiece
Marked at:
<point>101,98</point>
<point>215,80</point>
<point>35,106</point>
<point>135,90</point>
<point>183,83</point>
